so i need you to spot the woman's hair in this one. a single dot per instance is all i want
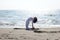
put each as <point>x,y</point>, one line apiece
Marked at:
<point>34,19</point>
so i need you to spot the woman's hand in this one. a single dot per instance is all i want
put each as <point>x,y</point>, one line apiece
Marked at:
<point>33,28</point>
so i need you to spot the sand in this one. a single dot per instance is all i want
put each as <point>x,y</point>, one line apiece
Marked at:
<point>22,34</point>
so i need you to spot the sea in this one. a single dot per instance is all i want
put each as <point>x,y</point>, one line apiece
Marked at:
<point>17,19</point>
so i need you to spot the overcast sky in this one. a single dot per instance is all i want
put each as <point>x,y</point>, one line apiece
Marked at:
<point>30,5</point>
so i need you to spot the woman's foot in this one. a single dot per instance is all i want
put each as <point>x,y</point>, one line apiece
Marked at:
<point>30,29</point>
<point>27,29</point>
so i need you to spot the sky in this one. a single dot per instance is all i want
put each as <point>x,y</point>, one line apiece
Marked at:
<point>30,5</point>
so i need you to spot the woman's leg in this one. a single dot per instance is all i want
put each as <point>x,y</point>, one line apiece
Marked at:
<point>27,24</point>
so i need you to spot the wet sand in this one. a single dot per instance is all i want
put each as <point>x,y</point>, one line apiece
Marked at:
<point>22,34</point>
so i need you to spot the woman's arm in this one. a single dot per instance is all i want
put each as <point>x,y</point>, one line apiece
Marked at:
<point>32,25</point>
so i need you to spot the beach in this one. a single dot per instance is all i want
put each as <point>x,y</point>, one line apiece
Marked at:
<point>22,34</point>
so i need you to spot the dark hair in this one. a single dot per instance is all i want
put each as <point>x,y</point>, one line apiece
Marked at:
<point>34,19</point>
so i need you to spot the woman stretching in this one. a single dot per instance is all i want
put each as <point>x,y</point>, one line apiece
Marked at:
<point>34,20</point>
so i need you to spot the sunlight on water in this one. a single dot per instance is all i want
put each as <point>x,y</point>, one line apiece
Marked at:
<point>9,18</point>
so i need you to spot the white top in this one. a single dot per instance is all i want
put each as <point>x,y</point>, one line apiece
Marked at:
<point>28,21</point>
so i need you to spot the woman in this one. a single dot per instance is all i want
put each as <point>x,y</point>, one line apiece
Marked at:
<point>34,20</point>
